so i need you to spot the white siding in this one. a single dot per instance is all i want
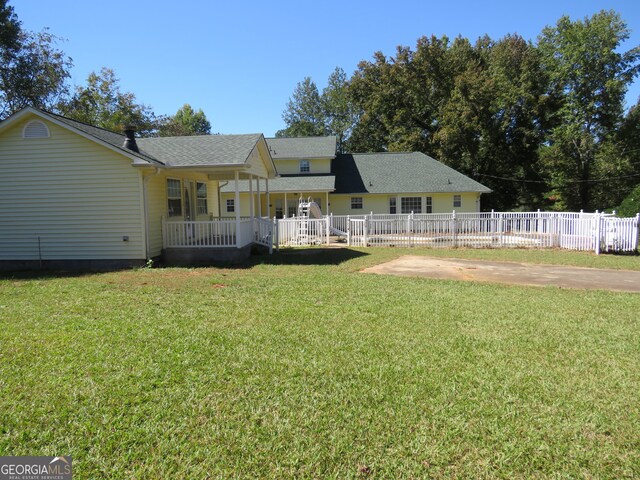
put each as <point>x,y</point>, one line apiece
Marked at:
<point>79,198</point>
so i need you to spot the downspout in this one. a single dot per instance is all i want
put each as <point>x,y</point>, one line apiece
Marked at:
<point>145,183</point>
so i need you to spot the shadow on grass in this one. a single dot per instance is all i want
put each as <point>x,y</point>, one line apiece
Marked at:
<point>304,256</point>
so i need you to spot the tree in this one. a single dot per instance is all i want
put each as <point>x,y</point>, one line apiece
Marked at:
<point>102,104</point>
<point>590,77</point>
<point>185,122</point>
<point>339,117</point>
<point>32,70</point>
<point>304,114</point>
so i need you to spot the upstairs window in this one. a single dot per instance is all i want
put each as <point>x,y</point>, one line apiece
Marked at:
<point>174,197</point>
<point>457,201</point>
<point>304,166</point>
<point>35,129</point>
<point>201,198</point>
<point>356,203</point>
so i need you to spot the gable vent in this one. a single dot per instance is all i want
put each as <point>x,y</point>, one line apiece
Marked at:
<point>35,129</point>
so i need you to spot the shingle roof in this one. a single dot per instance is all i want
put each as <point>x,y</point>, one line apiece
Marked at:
<point>300,183</point>
<point>201,150</point>
<point>398,173</point>
<point>302,147</point>
<point>114,139</point>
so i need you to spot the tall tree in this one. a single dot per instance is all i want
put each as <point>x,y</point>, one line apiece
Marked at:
<point>185,122</point>
<point>590,75</point>
<point>33,71</point>
<point>101,103</point>
<point>304,114</point>
<point>339,115</point>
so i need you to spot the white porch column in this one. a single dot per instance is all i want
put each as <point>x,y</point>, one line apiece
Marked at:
<point>237,209</point>
<point>251,199</point>
<point>266,180</point>
<point>259,199</point>
<point>285,211</point>
<point>327,203</point>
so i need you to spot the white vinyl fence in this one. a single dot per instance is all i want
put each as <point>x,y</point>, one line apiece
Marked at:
<point>576,231</point>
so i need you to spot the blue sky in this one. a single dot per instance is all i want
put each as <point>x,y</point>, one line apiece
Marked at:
<point>240,61</point>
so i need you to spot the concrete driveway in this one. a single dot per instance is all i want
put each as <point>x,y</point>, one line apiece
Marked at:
<point>510,273</point>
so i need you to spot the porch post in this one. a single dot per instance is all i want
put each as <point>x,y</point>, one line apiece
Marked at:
<point>251,199</point>
<point>285,211</point>
<point>237,209</point>
<point>266,180</point>
<point>327,202</point>
<point>259,198</point>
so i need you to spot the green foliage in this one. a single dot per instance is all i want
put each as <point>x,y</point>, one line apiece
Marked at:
<point>304,115</point>
<point>185,122</point>
<point>590,76</point>
<point>339,115</point>
<point>33,71</point>
<point>630,206</point>
<point>541,125</point>
<point>101,103</point>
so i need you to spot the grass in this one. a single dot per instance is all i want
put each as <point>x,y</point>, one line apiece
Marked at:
<point>299,366</point>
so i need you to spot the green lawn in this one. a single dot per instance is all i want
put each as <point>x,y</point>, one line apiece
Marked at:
<point>299,366</point>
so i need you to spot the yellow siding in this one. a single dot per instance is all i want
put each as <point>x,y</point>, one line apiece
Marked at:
<point>377,203</point>
<point>78,197</point>
<point>292,166</point>
<point>158,204</point>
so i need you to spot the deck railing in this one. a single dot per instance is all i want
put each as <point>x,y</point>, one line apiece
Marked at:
<point>208,234</point>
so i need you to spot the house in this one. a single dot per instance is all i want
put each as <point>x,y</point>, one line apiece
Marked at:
<point>74,195</point>
<point>357,184</point>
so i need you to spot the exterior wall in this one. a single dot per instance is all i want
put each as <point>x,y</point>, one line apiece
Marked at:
<point>292,166</point>
<point>341,204</point>
<point>379,203</point>
<point>80,199</point>
<point>158,203</point>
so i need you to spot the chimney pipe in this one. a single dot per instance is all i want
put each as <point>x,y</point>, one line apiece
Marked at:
<point>130,138</point>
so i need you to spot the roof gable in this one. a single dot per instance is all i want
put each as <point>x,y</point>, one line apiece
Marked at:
<point>302,147</point>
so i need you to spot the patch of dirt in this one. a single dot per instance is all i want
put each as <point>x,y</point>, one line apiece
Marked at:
<point>510,273</point>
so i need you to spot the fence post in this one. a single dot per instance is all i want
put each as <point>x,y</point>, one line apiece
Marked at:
<point>598,219</point>
<point>410,225</point>
<point>348,231</point>
<point>455,229</point>
<point>276,229</point>
<point>328,225</point>
<point>364,230</point>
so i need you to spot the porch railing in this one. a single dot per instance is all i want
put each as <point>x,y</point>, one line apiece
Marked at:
<point>207,234</point>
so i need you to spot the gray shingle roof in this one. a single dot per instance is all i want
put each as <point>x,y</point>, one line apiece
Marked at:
<point>294,184</point>
<point>200,150</point>
<point>302,147</point>
<point>114,139</point>
<point>398,173</point>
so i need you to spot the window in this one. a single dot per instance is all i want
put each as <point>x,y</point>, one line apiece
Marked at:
<point>304,166</point>
<point>457,201</point>
<point>356,203</point>
<point>411,204</point>
<point>201,198</point>
<point>231,205</point>
<point>174,198</point>
<point>35,129</point>
<point>279,209</point>
<point>392,205</point>
<point>428,203</point>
